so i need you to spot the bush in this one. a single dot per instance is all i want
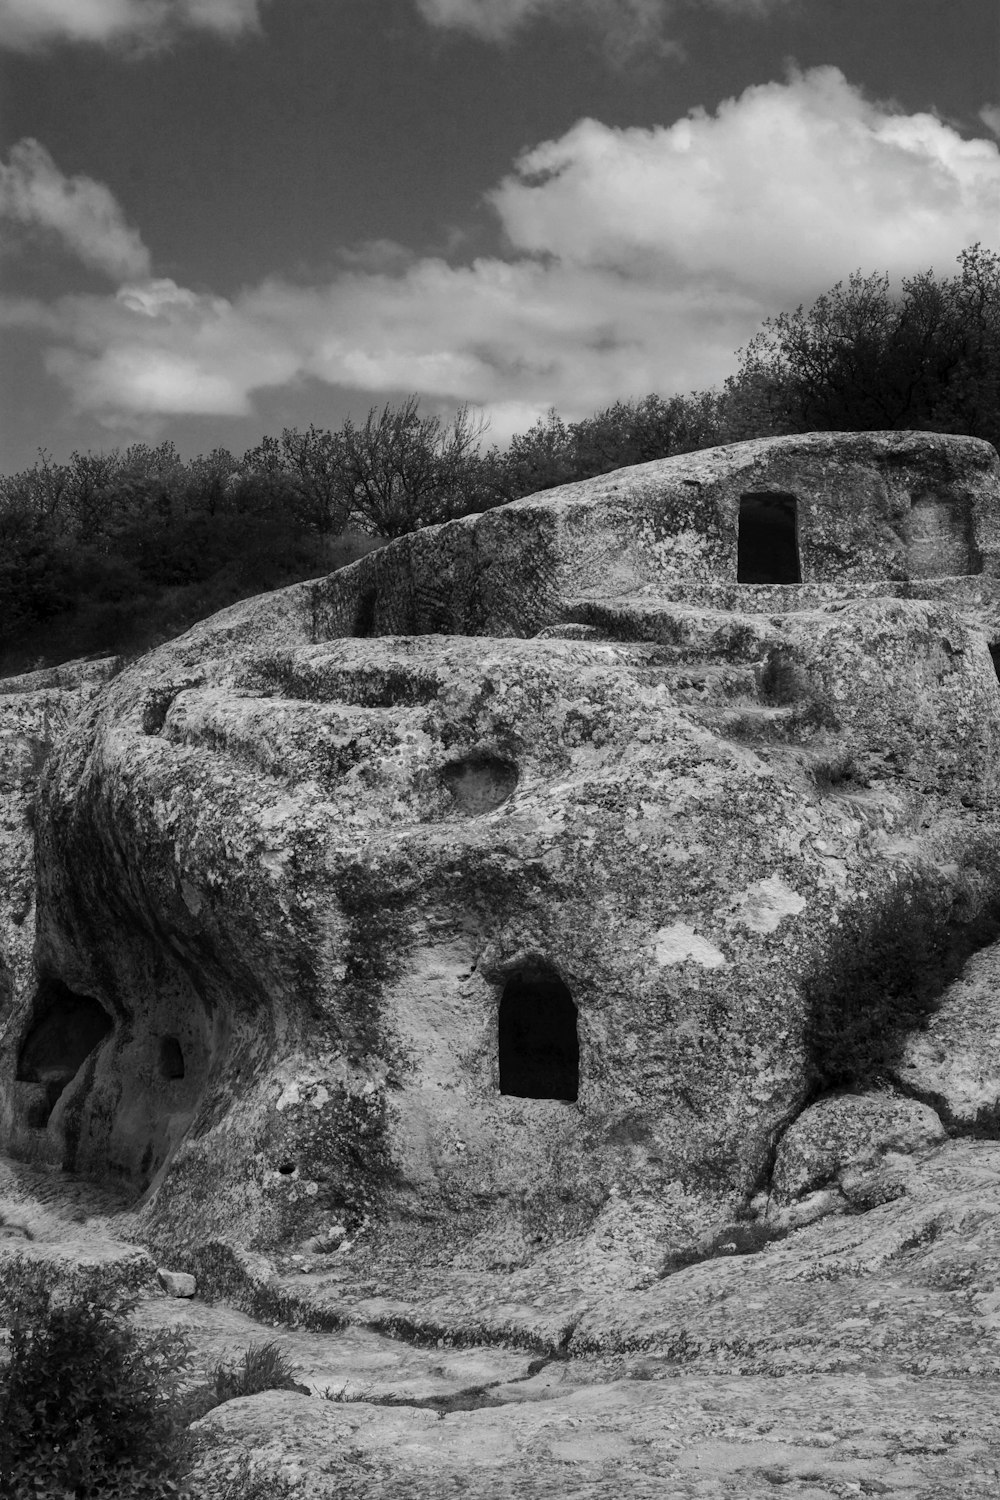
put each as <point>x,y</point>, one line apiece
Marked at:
<point>89,1406</point>
<point>864,358</point>
<point>263,1368</point>
<point>884,971</point>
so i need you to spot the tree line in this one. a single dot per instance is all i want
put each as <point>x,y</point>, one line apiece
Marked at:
<point>116,551</point>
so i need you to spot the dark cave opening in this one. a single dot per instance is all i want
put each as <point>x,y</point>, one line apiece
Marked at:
<point>768,544</point>
<point>364,614</point>
<point>538,1040</point>
<point>171,1058</point>
<point>65,1029</point>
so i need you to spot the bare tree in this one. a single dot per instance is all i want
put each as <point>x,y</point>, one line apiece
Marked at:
<point>406,470</point>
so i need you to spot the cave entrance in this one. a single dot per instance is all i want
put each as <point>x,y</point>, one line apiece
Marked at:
<point>64,1031</point>
<point>364,614</point>
<point>538,1040</point>
<point>171,1058</point>
<point>768,542</point>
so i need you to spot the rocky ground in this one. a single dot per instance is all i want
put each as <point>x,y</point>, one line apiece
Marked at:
<point>857,1354</point>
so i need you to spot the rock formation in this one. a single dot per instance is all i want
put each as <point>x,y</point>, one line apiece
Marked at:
<point>484,896</point>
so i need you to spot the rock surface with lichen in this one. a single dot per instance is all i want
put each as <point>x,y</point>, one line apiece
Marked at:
<point>292,867</point>
<point>287,873</point>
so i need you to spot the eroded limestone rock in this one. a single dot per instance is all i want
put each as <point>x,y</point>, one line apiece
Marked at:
<point>35,711</point>
<point>459,942</point>
<point>176,1283</point>
<point>956,1060</point>
<point>849,1133</point>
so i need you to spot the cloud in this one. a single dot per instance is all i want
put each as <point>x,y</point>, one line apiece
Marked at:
<point>39,200</point>
<point>27,25</point>
<point>636,260</point>
<point>990,116</point>
<point>791,184</point>
<point>624,26</point>
<point>159,349</point>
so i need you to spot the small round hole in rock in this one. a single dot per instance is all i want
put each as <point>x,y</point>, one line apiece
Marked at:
<point>171,1058</point>
<point>479,783</point>
<point>287,1168</point>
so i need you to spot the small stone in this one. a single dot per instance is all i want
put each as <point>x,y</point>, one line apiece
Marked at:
<point>177,1283</point>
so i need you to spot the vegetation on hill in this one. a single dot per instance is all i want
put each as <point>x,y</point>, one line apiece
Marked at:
<point>113,552</point>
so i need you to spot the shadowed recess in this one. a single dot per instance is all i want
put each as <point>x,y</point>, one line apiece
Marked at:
<point>480,782</point>
<point>364,615</point>
<point>538,1040</point>
<point>171,1058</point>
<point>768,548</point>
<point>64,1031</point>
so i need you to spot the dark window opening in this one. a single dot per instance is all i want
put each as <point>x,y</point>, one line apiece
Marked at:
<point>539,1045</point>
<point>768,546</point>
<point>64,1031</point>
<point>171,1058</point>
<point>995,657</point>
<point>479,782</point>
<point>364,615</point>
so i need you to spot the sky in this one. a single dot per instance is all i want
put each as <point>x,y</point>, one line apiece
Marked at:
<point>219,218</point>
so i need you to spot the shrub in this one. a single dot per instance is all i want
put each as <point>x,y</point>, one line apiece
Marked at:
<point>882,975</point>
<point>839,768</point>
<point>88,1406</point>
<point>781,679</point>
<point>263,1368</point>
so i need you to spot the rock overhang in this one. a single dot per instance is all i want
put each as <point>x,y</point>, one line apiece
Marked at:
<point>262,843</point>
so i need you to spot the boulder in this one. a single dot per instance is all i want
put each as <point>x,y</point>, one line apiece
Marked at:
<point>849,1133</point>
<point>176,1283</point>
<point>462,897</point>
<point>955,1061</point>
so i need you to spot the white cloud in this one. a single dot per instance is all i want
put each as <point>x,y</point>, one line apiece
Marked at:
<point>40,200</point>
<point>158,349</point>
<point>30,24</point>
<point>637,260</point>
<point>789,185</point>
